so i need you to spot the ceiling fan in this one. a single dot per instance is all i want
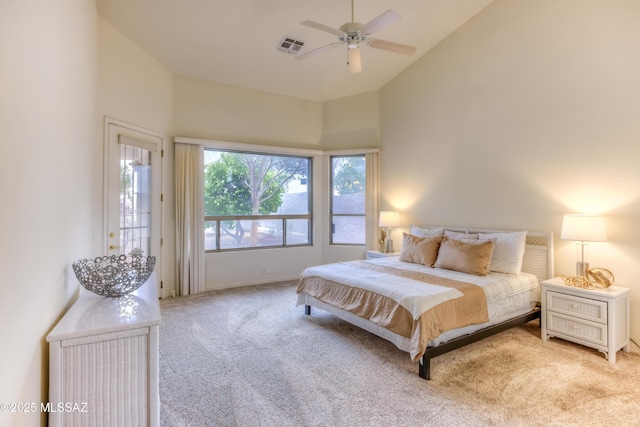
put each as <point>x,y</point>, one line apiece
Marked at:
<point>354,33</point>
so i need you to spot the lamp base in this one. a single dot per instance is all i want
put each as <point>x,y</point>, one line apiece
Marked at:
<point>582,268</point>
<point>389,248</point>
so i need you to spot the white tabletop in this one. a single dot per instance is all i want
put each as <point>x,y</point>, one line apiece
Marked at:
<point>93,314</point>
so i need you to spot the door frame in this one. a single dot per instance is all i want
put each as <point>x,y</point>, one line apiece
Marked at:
<point>134,129</point>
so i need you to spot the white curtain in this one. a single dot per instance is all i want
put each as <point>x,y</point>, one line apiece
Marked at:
<point>372,200</point>
<point>189,218</point>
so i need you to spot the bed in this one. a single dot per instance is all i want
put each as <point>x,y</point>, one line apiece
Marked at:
<point>449,287</point>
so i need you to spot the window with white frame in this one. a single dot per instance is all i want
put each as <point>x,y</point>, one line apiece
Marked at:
<point>256,200</point>
<point>348,199</point>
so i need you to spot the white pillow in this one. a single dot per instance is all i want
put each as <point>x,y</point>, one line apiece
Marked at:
<point>426,231</point>
<point>458,235</point>
<point>507,252</point>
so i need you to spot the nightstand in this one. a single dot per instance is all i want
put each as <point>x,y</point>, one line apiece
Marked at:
<point>596,318</point>
<point>378,254</point>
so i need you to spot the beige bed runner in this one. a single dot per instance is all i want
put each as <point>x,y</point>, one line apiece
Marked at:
<point>467,310</point>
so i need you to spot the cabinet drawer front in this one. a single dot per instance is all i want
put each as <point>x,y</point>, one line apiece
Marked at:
<point>583,308</point>
<point>572,327</point>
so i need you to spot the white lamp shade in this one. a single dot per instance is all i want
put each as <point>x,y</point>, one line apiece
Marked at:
<point>355,65</point>
<point>389,219</point>
<point>585,228</point>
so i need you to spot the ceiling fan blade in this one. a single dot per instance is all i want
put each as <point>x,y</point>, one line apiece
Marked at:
<point>317,51</point>
<point>376,24</point>
<point>392,47</point>
<point>322,27</point>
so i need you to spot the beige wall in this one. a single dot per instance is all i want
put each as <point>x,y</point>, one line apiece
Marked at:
<point>133,87</point>
<point>229,113</point>
<point>351,122</point>
<point>527,112</point>
<point>49,165</point>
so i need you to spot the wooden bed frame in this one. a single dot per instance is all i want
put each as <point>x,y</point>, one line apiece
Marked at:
<point>538,260</point>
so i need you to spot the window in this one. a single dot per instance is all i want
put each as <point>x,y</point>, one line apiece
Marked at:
<point>254,200</point>
<point>348,191</point>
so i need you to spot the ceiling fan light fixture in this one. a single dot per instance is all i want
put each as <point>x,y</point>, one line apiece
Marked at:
<point>353,60</point>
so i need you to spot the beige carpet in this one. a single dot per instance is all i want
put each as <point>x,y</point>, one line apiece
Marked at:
<point>249,357</point>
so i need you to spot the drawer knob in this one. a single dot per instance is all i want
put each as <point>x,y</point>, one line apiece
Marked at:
<point>574,305</point>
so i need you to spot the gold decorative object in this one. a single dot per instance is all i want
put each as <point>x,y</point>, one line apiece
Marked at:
<point>381,242</point>
<point>601,276</point>
<point>595,278</point>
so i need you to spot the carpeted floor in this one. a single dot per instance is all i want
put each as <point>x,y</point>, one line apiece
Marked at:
<point>249,357</point>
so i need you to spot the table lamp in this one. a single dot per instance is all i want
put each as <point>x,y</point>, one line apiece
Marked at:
<point>388,220</point>
<point>583,228</point>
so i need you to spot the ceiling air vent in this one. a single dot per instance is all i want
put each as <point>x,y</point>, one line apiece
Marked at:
<point>290,45</point>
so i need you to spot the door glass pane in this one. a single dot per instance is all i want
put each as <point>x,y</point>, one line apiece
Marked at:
<point>135,200</point>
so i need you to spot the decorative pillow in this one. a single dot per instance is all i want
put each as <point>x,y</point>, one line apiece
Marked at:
<point>458,235</point>
<point>466,257</point>
<point>426,231</point>
<point>508,251</point>
<point>420,250</point>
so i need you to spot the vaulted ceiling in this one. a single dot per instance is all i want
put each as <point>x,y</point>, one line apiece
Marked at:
<point>235,42</point>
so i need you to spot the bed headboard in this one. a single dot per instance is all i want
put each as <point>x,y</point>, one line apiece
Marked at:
<point>538,252</point>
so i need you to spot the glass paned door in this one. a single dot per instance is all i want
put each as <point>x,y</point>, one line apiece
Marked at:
<point>133,176</point>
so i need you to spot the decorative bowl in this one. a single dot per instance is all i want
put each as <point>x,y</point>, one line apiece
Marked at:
<point>114,275</point>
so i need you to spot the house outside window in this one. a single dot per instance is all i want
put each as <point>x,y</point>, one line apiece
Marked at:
<point>255,200</point>
<point>348,199</point>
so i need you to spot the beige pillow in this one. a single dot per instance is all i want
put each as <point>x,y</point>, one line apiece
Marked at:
<point>466,257</point>
<point>420,250</point>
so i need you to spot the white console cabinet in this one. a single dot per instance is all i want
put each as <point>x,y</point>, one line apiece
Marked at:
<point>103,361</point>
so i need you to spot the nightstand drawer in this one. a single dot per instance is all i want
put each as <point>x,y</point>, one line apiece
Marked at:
<point>592,332</point>
<point>583,308</point>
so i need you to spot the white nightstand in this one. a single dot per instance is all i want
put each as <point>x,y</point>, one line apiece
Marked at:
<point>378,254</point>
<point>597,318</point>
